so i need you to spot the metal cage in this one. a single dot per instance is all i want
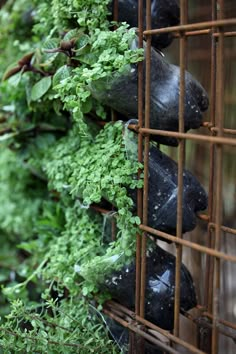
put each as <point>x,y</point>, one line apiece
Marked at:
<point>211,142</point>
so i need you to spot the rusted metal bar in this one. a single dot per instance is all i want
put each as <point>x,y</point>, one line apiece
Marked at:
<point>99,209</point>
<point>140,159</point>
<point>203,217</point>
<point>115,10</point>
<point>197,137</point>
<point>146,158</point>
<point>207,218</point>
<point>200,216</point>
<point>119,309</point>
<point>193,26</point>
<point>170,336</point>
<point>219,180</point>
<point>224,228</point>
<point>207,125</point>
<point>208,283</point>
<point>181,160</point>
<point>215,29</point>
<point>140,320</point>
<point>124,309</point>
<point>204,32</point>
<point>204,323</point>
<point>224,322</point>
<point>189,244</point>
<point>214,129</point>
<point>140,332</point>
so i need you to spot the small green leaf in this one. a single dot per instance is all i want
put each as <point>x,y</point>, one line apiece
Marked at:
<point>86,106</point>
<point>128,252</point>
<point>62,73</point>
<point>40,88</point>
<point>85,291</point>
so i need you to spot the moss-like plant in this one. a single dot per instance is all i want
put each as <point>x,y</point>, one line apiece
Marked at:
<point>56,162</point>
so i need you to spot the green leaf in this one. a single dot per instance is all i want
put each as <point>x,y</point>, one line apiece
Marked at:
<point>15,79</point>
<point>85,291</point>
<point>7,136</point>
<point>88,59</point>
<point>71,34</point>
<point>86,106</point>
<point>128,252</point>
<point>82,43</point>
<point>40,88</point>
<point>50,44</point>
<point>62,73</point>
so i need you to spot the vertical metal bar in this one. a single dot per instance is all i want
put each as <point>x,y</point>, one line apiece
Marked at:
<point>115,10</point>
<point>219,178</point>
<point>114,116</point>
<point>209,260</point>
<point>181,158</point>
<point>140,158</point>
<point>146,158</point>
<point>205,341</point>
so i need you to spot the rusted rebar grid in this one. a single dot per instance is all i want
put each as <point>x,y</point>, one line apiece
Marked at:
<point>132,317</point>
<point>128,316</point>
<point>216,140</point>
<point>203,322</point>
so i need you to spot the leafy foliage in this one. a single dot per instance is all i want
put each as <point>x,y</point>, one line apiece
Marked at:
<point>55,163</point>
<point>54,328</point>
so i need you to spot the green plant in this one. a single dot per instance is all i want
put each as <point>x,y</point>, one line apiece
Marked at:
<point>55,163</point>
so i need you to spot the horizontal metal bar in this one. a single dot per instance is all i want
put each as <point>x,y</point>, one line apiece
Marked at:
<point>127,311</point>
<point>119,309</point>
<point>223,322</point>
<point>165,333</point>
<point>140,332</point>
<point>100,209</point>
<point>206,218</point>
<point>170,336</point>
<point>193,26</point>
<point>203,217</point>
<point>187,243</point>
<point>201,321</point>
<point>215,129</point>
<point>224,228</point>
<point>197,137</point>
<point>205,32</point>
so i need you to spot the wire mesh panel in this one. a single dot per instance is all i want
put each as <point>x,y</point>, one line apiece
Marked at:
<point>204,44</point>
